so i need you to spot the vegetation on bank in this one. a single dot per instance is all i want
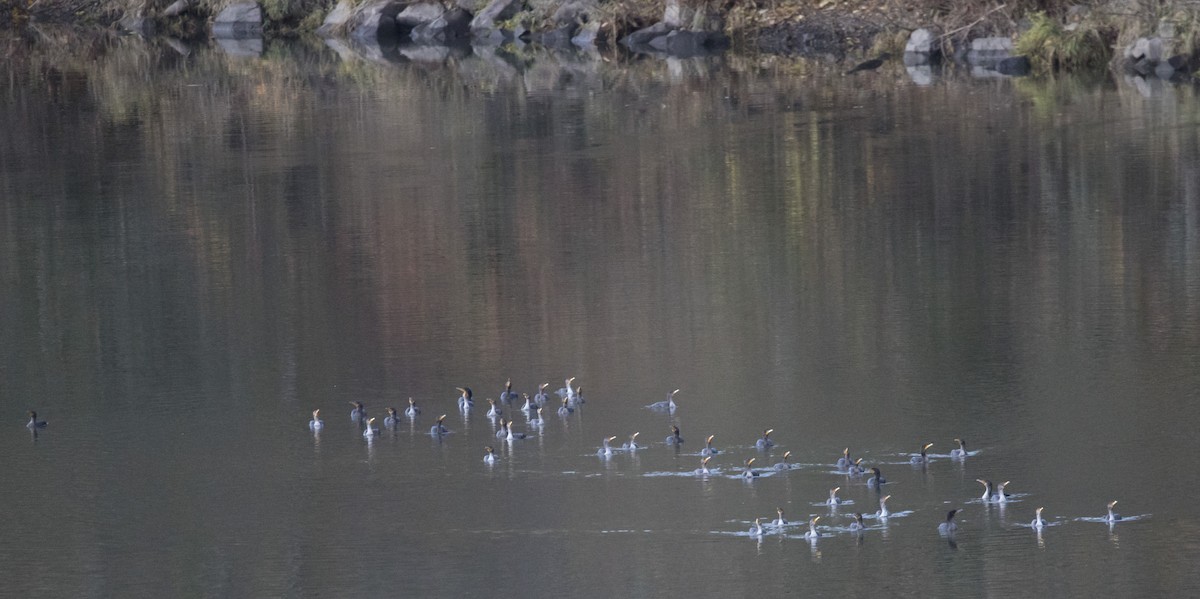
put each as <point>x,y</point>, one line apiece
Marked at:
<point>1054,34</point>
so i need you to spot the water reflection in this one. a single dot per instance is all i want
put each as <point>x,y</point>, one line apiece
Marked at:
<point>855,264</point>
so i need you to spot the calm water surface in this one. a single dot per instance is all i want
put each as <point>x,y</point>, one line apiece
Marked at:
<point>196,251</point>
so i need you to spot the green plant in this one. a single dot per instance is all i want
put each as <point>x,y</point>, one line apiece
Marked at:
<point>1049,45</point>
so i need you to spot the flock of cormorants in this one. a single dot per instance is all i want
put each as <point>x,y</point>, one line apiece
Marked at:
<point>570,398</point>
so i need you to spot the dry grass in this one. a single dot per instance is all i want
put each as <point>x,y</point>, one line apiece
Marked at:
<point>1050,46</point>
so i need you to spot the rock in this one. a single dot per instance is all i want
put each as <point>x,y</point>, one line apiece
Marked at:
<point>239,21</point>
<point>686,44</point>
<point>178,46</point>
<point>375,20</point>
<point>426,54</point>
<point>922,41</point>
<point>1014,66</point>
<point>642,37</point>
<point>676,15</point>
<point>454,25</point>
<point>335,22</point>
<point>921,75</point>
<point>559,37</point>
<point>573,11</point>
<point>991,44</point>
<point>244,47</point>
<point>415,15</point>
<point>137,24</point>
<point>176,8</point>
<point>1148,49</point>
<point>587,35</point>
<point>496,10</point>
<point>987,51</point>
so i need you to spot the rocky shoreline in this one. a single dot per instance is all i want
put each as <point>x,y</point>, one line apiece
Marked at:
<point>1163,43</point>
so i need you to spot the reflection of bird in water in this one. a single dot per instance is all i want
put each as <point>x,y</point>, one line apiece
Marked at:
<point>948,527</point>
<point>1112,516</point>
<point>870,65</point>
<point>961,451</point>
<point>315,424</point>
<point>665,406</point>
<point>1038,522</point>
<point>784,464</point>
<point>708,448</point>
<point>674,438</point>
<point>490,455</point>
<point>922,458</point>
<point>765,442</point>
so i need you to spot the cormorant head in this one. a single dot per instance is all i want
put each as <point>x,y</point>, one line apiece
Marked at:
<point>786,455</point>
<point>926,448</point>
<point>411,402</point>
<point>1110,505</point>
<point>749,461</point>
<point>950,514</point>
<point>709,439</point>
<point>542,387</point>
<point>768,432</point>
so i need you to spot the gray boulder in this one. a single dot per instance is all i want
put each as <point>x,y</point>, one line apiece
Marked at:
<point>1149,49</point>
<point>1013,66</point>
<point>137,23</point>
<point>239,21</point>
<point>559,37</point>
<point>987,51</point>
<point>336,21</point>
<point>922,41</point>
<point>573,11</point>
<point>375,20</point>
<point>496,10</point>
<point>176,8</point>
<point>454,25</point>
<point>416,15</point>
<point>587,36</point>
<point>642,37</point>
<point>676,15</point>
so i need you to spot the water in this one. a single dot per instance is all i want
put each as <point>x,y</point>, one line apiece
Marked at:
<point>198,251</point>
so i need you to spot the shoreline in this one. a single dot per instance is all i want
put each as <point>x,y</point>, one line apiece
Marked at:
<point>1110,35</point>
